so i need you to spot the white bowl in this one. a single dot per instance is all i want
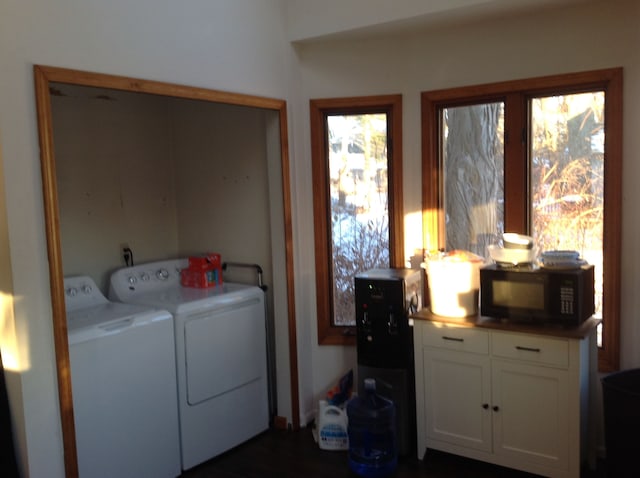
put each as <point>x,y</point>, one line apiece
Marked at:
<point>512,256</point>
<point>513,240</point>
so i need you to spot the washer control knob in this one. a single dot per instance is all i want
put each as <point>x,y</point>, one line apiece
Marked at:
<point>87,289</point>
<point>144,276</point>
<point>132,280</point>
<point>72,291</point>
<point>162,274</point>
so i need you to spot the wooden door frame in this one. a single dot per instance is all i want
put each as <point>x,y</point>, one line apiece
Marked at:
<point>43,76</point>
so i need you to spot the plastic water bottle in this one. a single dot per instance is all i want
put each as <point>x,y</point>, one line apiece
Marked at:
<point>373,449</point>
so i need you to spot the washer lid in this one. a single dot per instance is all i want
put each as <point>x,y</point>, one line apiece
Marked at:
<point>91,315</point>
<point>108,319</point>
<point>102,314</point>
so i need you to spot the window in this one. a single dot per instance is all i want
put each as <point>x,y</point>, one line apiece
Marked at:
<point>356,154</point>
<point>544,156</point>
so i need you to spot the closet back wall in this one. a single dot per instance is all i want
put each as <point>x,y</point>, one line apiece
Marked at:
<point>166,176</point>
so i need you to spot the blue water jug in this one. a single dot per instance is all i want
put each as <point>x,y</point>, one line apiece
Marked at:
<point>373,451</point>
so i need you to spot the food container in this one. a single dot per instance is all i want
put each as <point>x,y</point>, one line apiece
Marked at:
<point>454,283</point>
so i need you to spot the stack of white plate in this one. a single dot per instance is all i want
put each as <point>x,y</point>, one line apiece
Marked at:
<point>561,260</point>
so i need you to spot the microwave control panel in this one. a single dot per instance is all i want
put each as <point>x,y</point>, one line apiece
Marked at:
<point>566,300</point>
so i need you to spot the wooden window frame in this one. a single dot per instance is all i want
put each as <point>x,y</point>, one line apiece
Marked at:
<point>515,95</point>
<point>320,109</point>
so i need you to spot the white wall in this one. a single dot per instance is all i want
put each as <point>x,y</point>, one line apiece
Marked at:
<point>169,177</point>
<point>308,19</point>
<point>115,177</point>
<point>239,46</point>
<point>586,37</point>
<point>221,175</point>
<point>228,45</point>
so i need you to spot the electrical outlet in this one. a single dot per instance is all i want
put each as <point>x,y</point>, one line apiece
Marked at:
<point>126,254</point>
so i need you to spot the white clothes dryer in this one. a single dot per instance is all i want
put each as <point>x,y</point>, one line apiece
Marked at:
<point>220,351</point>
<point>124,385</point>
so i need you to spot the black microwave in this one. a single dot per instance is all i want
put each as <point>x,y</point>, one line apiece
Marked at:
<point>557,296</point>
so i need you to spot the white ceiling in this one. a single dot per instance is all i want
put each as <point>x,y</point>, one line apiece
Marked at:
<point>316,19</point>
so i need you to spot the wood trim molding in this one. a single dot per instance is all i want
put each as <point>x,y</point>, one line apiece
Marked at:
<point>43,76</point>
<point>288,234</point>
<point>52,221</point>
<point>318,109</point>
<point>515,93</point>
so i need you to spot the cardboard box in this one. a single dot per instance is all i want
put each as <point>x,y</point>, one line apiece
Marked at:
<point>210,260</point>
<point>201,278</point>
<point>203,271</point>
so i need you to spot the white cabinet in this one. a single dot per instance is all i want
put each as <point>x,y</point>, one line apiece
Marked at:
<point>457,378</point>
<point>514,399</point>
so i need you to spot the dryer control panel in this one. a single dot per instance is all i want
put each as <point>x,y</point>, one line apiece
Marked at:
<point>142,278</point>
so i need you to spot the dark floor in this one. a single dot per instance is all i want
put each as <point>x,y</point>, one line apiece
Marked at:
<point>294,454</point>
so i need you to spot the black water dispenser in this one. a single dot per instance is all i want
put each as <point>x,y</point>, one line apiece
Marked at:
<point>384,300</point>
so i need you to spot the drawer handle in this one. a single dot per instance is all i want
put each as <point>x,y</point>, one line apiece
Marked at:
<point>496,408</point>
<point>485,406</point>
<point>528,349</point>
<point>452,339</point>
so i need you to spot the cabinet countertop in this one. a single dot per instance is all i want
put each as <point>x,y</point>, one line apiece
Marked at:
<point>573,332</point>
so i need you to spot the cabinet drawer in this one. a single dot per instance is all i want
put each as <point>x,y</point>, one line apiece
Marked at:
<point>463,339</point>
<point>531,348</point>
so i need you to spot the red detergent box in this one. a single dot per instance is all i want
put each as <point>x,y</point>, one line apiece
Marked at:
<point>201,278</point>
<point>210,260</point>
<point>203,271</point>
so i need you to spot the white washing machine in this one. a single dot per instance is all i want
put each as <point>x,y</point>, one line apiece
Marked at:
<point>124,385</point>
<point>220,352</point>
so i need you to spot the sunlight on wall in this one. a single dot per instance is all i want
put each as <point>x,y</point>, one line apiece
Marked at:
<point>413,239</point>
<point>417,234</point>
<point>13,358</point>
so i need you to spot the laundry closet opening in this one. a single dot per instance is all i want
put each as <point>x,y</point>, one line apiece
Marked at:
<point>164,177</point>
<point>166,171</point>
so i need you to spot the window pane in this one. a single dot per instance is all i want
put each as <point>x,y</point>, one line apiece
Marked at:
<point>567,176</point>
<point>359,194</point>
<point>542,187</point>
<point>473,160</point>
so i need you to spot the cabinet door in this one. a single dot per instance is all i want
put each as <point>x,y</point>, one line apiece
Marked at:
<point>530,418</point>
<point>457,390</point>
